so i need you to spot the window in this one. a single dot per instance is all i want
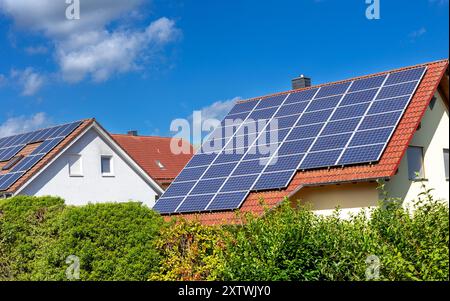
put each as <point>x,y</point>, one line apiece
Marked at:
<point>415,163</point>
<point>106,166</point>
<point>11,163</point>
<point>446,163</point>
<point>75,166</point>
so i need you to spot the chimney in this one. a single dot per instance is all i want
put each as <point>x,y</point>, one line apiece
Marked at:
<point>301,82</point>
<point>133,133</point>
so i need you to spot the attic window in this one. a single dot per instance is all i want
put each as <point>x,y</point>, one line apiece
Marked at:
<point>160,165</point>
<point>12,162</point>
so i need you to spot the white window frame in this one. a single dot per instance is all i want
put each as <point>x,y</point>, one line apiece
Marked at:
<point>69,164</point>
<point>422,177</point>
<point>446,164</point>
<point>111,166</point>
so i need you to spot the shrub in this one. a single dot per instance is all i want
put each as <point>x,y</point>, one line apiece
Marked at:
<point>25,225</point>
<point>189,252</point>
<point>112,241</point>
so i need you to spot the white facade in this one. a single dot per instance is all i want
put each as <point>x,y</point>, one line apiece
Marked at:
<point>76,174</point>
<point>433,136</point>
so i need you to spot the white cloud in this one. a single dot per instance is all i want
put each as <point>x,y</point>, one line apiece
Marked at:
<point>28,80</point>
<point>3,80</point>
<point>36,50</point>
<point>21,124</point>
<point>102,54</point>
<point>219,109</point>
<point>87,47</point>
<point>216,111</point>
<point>418,33</point>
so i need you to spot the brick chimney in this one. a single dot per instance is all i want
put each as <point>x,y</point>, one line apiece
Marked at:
<point>301,82</point>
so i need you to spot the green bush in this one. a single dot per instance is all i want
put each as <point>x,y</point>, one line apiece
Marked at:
<point>25,225</point>
<point>189,252</point>
<point>112,241</point>
<point>296,244</point>
<point>130,242</point>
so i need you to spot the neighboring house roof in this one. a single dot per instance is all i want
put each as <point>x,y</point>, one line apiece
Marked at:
<point>155,156</point>
<point>53,154</point>
<point>384,169</point>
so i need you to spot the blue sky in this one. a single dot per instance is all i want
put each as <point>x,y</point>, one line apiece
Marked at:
<point>140,64</point>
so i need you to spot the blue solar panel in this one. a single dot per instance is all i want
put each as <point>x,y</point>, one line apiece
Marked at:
<point>380,120</point>
<point>301,96</point>
<point>226,158</point>
<point>350,111</point>
<point>320,159</point>
<point>10,147</point>
<point>219,170</point>
<point>287,122</point>
<point>405,76</point>
<point>333,90</point>
<point>367,83</point>
<point>10,152</point>
<point>359,97</point>
<point>393,104</point>
<point>191,174</point>
<point>304,132</point>
<point>331,142</point>
<point>201,159</point>
<point>46,146</point>
<point>239,183</point>
<point>248,167</point>
<point>295,147</point>
<point>371,136</point>
<point>292,109</point>
<point>207,186</point>
<point>271,102</point>
<point>195,203</point>
<point>275,180</point>
<point>243,107</point>
<point>397,90</point>
<point>284,163</point>
<point>315,117</point>
<point>166,205</point>
<point>269,137</point>
<point>341,126</point>
<point>178,189</point>
<point>361,154</point>
<point>227,201</point>
<point>262,114</point>
<point>338,124</point>
<point>9,179</point>
<point>324,103</point>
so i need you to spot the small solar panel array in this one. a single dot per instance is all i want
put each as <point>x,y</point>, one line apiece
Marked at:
<point>334,125</point>
<point>11,146</point>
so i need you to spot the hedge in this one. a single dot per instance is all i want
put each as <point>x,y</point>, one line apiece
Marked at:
<point>131,242</point>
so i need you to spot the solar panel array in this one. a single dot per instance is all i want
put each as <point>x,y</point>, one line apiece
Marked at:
<point>11,146</point>
<point>262,143</point>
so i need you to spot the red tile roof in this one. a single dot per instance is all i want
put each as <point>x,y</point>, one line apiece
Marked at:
<point>148,150</point>
<point>385,168</point>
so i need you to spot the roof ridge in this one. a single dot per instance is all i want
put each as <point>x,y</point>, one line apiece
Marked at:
<point>343,81</point>
<point>147,136</point>
<point>50,127</point>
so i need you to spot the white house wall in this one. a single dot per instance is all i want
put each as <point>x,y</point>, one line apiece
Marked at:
<point>92,187</point>
<point>433,136</point>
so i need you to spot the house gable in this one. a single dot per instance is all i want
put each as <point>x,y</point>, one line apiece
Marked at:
<point>127,181</point>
